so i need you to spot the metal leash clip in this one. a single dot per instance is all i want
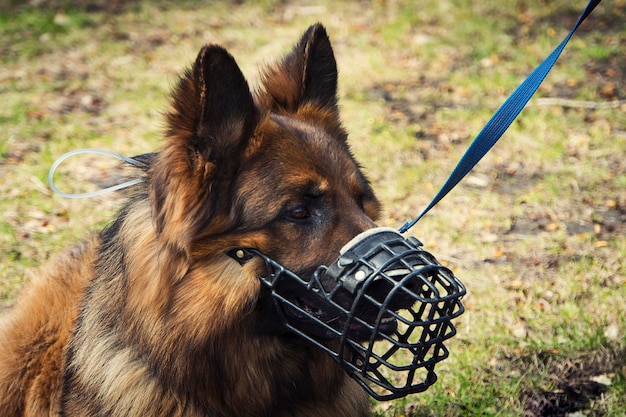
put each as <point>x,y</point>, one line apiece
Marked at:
<point>382,310</point>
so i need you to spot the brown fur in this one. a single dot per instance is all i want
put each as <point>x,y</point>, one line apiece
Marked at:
<point>151,317</point>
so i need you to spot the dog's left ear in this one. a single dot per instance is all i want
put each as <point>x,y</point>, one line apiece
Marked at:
<point>213,113</point>
<point>306,75</point>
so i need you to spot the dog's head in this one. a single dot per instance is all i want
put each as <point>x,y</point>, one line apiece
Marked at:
<point>269,170</point>
<point>270,174</point>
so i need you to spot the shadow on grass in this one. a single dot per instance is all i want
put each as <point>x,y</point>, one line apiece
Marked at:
<point>573,383</point>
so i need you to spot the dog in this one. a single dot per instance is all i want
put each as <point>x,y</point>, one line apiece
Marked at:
<point>151,316</point>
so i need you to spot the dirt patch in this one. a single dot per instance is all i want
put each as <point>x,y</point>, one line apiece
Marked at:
<point>112,6</point>
<point>604,223</point>
<point>605,79</point>
<point>416,103</point>
<point>576,383</point>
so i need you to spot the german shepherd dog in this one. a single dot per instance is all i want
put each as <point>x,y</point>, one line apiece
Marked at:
<point>152,317</point>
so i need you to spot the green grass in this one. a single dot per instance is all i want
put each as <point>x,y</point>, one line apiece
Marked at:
<point>536,233</point>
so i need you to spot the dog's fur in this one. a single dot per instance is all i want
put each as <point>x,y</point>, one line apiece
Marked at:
<point>151,317</point>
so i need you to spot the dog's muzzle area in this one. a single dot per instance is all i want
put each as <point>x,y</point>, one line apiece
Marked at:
<point>382,310</point>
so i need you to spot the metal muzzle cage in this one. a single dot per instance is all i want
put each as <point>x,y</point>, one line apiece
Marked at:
<point>384,308</point>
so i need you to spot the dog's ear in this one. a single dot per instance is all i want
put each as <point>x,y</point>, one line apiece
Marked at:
<point>211,120</point>
<point>306,75</point>
<point>213,112</point>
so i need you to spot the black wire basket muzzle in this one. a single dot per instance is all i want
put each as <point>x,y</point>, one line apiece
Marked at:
<point>382,310</point>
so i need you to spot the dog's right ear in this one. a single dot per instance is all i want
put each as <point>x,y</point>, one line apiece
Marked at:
<point>211,120</point>
<point>304,83</point>
<point>308,74</point>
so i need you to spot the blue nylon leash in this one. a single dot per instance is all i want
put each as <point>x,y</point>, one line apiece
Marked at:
<point>502,119</point>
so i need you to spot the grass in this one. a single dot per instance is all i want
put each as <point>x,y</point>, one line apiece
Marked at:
<point>536,232</point>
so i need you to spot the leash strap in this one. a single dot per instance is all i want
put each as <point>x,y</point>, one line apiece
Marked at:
<point>502,119</point>
<point>98,192</point>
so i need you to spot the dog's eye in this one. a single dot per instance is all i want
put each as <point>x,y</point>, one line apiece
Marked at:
<point>299,213</point>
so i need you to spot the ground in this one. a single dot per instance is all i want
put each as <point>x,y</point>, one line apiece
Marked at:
<point>536,232</point>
